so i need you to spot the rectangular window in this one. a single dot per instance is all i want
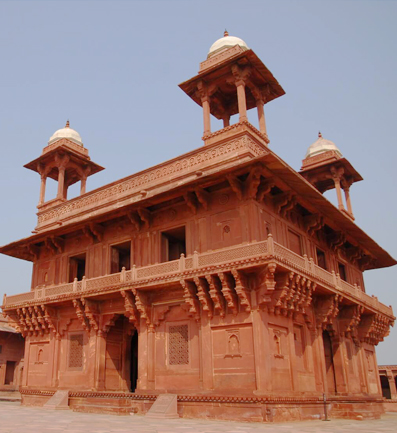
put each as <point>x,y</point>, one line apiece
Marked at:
<point>76,343</point>
<point>294,241</point>
<point>120,257</point>
<point>321,258</point>
<point>173,244</point>
<point>77,267</point>
<point>178,353</point>
<point>342,271</point>
<point>1,348</point>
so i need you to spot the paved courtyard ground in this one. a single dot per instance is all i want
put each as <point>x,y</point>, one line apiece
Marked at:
<point>17,419</point>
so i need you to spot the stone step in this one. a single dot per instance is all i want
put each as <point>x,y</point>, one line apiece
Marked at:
<point>103,408</point>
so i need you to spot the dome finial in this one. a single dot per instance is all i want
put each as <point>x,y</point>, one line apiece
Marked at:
<point>225,33</point>
<point>320,135</point>
<point>67,124</point>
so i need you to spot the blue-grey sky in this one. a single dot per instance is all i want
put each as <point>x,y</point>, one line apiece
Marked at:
<point>113,68</point>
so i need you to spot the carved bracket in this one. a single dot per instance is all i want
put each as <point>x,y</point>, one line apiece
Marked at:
<point>325,310</point>
<point>191,299</point>
<point>373,328</point>
<point>204,295</point>
<point>216,295</point>
<point>313,223</point>
<point>131,310</point>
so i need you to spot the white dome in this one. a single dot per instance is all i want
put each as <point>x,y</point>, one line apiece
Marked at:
<point>226,42</point>
<point>321,145</point>
<point>68,133</point>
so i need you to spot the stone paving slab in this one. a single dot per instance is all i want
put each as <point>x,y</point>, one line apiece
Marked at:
<point>15,418</point>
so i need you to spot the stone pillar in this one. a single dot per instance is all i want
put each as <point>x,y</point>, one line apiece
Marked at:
<point>392,384</point>
<point>142,383</point>
<point>55,365</point>
<point>206,353</point>
<point>206,114</point>
<point>242,103</point>
<point>83,185</point>
<point>42,188</point>
<point>61,182</point>
<point>100,361</point>
<point>336,176</point>
<point>348,202</point>
<point>226,120</point>
<point>261,116</point>
<point>151,359</point>
<point>339,365</point>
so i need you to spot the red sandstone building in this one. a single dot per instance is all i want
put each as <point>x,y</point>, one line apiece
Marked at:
<point>223,275</point>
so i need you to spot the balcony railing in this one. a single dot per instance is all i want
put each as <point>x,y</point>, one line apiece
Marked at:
<point>240,256</point>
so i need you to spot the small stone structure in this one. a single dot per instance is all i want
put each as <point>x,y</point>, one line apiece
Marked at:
<point>222,276</point>
<point>12,346</point>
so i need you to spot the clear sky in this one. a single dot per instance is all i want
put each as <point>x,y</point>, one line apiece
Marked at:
<point>113,68</point>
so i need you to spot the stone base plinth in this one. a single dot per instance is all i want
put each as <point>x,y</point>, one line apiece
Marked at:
<point>232,408</point>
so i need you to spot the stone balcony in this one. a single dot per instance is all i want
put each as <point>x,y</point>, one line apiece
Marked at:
<point>241,257</point>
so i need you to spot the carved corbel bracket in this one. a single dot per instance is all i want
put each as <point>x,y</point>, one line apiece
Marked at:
<point>264,189</point>
<point>325,310</point>
<point>203,197</point>
<point>143,305</point>
<point>266,284</point>
<point>366,262</point>
<point>106,322</point>
<point>236,185</point>
<point>131,310</point>
<point>354,254</point>
<point>191,299</point>
<point>135,220</point>
<point>242,289</point>
<point>240,74</point>
<point>92,313</point>
<point>145,216</point>
<point>229,292</point>
<point>34,250</point>
<point>336,240</point>
<point>159,314</point>
<point>79,307</point>
<point>373,328</point>
<point>313,223</point>
<point>97,230</point>
<point>191,201</point>
<point>204,295</point>
<point>216,295</point>
<point>284,202</point>
<point>349,319</point>
<point>253,181</point>
<point>50,246</point>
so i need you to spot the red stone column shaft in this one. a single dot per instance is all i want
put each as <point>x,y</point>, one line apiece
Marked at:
<point>226,121</point>
<point>338,193</point>
<point>206,115</point>
<point>242,103</point>
<point>348,201</point>
<point>261,116</point>
<point>42,189</point>
<point>61,182</point>
<point>83,185</point>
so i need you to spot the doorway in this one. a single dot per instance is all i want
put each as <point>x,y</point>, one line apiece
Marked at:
<point>134,361</point>
<point>329,362</point>
<point>10,372</point>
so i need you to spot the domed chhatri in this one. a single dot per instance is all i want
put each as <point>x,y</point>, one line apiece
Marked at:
<point>66,132</point>
<point>226,42</point>
<point>321,145</point>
